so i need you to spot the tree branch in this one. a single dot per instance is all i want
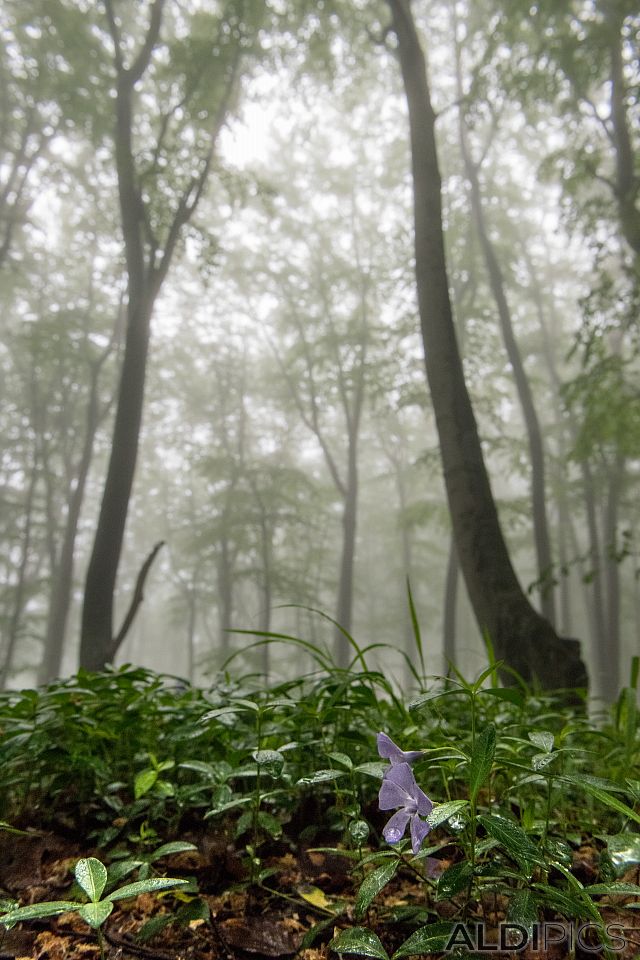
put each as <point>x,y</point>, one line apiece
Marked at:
<point>136,600</point>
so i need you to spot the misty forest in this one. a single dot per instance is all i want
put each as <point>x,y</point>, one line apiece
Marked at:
<point>319,478</point>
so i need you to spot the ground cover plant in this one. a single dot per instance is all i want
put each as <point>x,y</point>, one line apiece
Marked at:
<point>330,815</point>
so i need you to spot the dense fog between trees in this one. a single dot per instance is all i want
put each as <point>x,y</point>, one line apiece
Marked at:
<point>221,275</point>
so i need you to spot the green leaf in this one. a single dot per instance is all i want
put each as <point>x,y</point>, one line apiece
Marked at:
<point>361,941</point>
<point>510,694</point>
<point>118,871</point>
<point>443,811</point>
<point>453,880</point>
<point>198,766</point>
<point>342,759</point>
<point>196,909</point>
<point>270,824</point>
<point>603,796</point>
<point>513,839</point>
<point>430,939</point>
<point>321,776</point>
<point>144,781</point>
<point>176,846</point>
<point>359,831</point>
<point>154,885</point>
<point>373,768</point>
<point>567,903</point>
<point>271,760</point>
<point>624,848</point>
<point>418,702</point>
<point>614,889</point>
<point>541,760</point>
<point>373,884</point>
<point>91,875</point>
<point>482,760</point>
<point>523,909</point>
<point>9,829</point>
<point>543,739</point>
<point>95,914</point>
<point>37,910</point>
<point>153,927</point>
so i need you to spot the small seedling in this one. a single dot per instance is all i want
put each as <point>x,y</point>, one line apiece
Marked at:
<point>91,877</point>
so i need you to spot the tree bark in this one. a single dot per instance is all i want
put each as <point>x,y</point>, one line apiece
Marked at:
<point>627,183</point>
<point>147,266</point>
<point>225,595</point>
<point>60,601</point>
<point>344,605</point>
<point>450,607</point>
<point>520,636</point>
<point>13,631</point>
<point>609,651</point>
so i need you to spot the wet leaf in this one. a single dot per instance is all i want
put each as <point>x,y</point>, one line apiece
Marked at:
<point>373,884</point>
<point>361,941</point>
<point>91,875</point>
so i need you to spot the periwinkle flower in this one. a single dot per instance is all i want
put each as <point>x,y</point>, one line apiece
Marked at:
<point>388,750</point>
<point>400,791</point>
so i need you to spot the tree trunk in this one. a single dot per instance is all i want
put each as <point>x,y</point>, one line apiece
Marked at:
<point>450,607</point>
<point>13,631</point>
<point>60,601</point>
<point>97,612</point>
<point>147,264</point>
<point>225,596</point>
<point>626,178</point>
<point>520,636</point>
<point>344,606</point>
<point>595,595</point>
<point>608,653</point>
<point>192,613</point>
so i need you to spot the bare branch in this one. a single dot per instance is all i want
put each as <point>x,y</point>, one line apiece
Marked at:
<point>143,59</point>
<point>136,600</point>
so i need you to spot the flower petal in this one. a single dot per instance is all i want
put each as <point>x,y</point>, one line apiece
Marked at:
<point>402,775</point>
<point>422,801</point>
<point>419,830</point>
<point>392,796</point>
<point>388,750</point>
<point>396,826</point>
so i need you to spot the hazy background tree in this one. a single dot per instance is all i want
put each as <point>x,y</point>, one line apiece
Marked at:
<point>298,259</point>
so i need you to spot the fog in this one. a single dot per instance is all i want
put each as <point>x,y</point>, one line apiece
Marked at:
<point>208,284</point>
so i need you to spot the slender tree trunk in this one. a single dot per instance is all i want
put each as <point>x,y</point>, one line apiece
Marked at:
<point>147,264</point>
<point>594,587</point>
<point>450,607</point>
<point>225,596</point>
<point>563,562</point>
<point>191,632</point>
<point>344,606</point>
<point>265,593</point>
<point>407,565</point>
<point>60,601</point>
<point>609,651</point>
<point>97,612</point>
<point>627,191</point>
<point>519,634</point>
<point>13,631</point>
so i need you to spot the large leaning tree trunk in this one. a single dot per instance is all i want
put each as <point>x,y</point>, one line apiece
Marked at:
<point>522,637</point>
<point>148,257</point>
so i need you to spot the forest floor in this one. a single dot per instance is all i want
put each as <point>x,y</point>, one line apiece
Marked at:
<point>248,922</point>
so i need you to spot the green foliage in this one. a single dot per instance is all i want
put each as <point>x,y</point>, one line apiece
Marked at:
<point>511,774</point>
<point>91,877</point>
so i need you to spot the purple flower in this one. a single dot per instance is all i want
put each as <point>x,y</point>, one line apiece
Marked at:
<point>400,791</point>
<point>389,751</point>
